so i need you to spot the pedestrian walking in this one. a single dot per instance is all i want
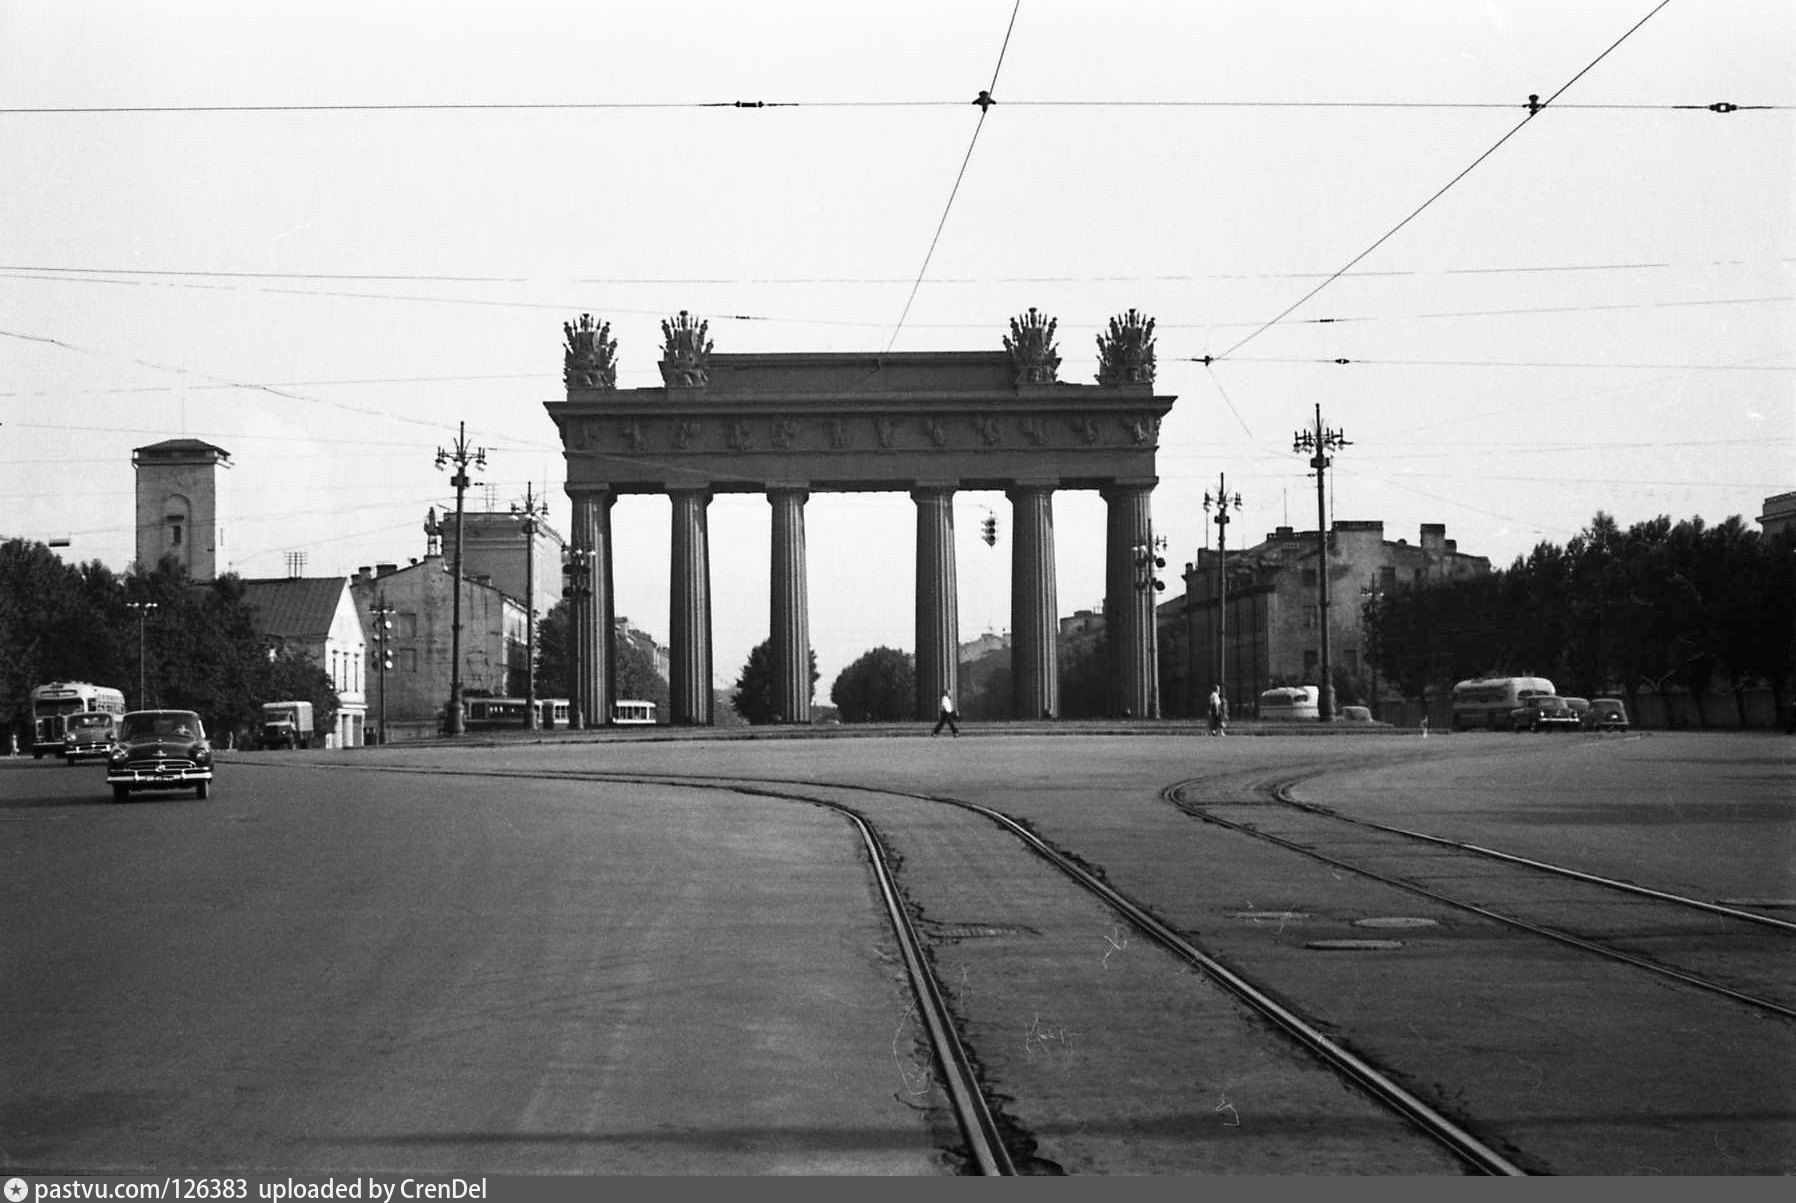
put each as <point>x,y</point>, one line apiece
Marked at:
<point>1219,710</point>
<point>946,716</point>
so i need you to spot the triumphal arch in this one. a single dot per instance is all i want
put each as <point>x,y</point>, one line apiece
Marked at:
<point>787,425</point>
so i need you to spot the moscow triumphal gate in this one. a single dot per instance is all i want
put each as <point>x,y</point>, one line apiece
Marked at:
<point>788,425</point>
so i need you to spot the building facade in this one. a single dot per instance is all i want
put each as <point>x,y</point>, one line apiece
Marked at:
<point>318,616</point>
<point>413,692</point>
<point>1779,517</point>
<point>496,548</point>
<point>179,507</point>
<point>1271,626</point>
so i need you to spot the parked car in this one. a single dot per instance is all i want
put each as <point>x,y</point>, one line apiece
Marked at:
<point>1606,714</point>
<point>89,733</point>
<point>1580,707</point>
<point>1550,713</point>
<point>159,749</point>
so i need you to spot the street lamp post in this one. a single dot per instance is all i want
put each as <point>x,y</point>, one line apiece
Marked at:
<point>532,509</point>
<point>1320,442</point>
<point>143,609</point>
<point>1222,501</point>
<point>1148,562</point>
<point>383,623</point>
<point>461,457</point>
<point>577,589</point>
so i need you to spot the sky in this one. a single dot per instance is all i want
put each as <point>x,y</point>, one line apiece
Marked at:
<point>324,236</point>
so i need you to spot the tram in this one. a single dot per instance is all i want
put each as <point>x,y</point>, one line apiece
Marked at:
<point>498,714</point>
<point>632,712</point>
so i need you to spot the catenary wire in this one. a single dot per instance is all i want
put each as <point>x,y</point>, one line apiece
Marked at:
<point>1533,111</point>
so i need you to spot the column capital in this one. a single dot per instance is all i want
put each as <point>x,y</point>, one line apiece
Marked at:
<point>1125,486</point>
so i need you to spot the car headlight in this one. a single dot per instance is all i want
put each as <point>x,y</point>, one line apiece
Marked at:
<point>199,753</point>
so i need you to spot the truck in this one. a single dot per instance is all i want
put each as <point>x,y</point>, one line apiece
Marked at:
<point>286,725</point>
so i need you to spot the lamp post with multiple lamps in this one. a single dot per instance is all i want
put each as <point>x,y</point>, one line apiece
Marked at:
<point>1221,503</point>
<point>1320,442</point>
<point>143,609</point>
<point>533,508</point>
<point>462,457</point>
<point>577,589</point>
<point>383,623</point>
<point>1148,562</point>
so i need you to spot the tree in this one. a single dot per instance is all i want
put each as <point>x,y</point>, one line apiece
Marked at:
<point>754,699</point>
<point>879,687</point>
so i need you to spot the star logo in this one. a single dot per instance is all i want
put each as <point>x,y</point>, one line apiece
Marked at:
<point>16,1190</point>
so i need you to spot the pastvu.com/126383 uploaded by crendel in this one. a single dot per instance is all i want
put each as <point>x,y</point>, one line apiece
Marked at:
<point>275,1190</point>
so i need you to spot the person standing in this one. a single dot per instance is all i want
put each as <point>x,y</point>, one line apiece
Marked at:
<point>1218,710</point>
<point>946,716</point>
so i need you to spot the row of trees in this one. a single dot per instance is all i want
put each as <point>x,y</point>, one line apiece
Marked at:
<point>200,647</point>
<point>1647,609</point>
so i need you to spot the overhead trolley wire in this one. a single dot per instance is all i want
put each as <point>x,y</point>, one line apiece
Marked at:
<point>985,101</point>
<point>1534,108</point>
<point>1722,106</point>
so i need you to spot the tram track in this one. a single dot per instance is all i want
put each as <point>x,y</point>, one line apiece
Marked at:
<point>986,1146</point>
<point>1696,942</point>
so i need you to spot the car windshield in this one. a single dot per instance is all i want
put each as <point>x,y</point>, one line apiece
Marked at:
<point>177,726</point>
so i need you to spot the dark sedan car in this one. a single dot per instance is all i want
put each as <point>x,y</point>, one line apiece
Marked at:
<point>1550,713</point>
<point>160,749</point>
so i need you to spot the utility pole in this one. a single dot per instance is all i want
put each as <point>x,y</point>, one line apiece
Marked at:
<point>1222,502</point>
<point>1148,561</point>
<point>533,508</point>
<point>461,457</point>
<point>143,609</point>
<point>1321,441</point>
<point>383,622</point>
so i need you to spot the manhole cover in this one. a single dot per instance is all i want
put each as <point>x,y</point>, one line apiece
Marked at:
<point>1352,945</point>
<point>1270,916</point>
<point>1396,921</point>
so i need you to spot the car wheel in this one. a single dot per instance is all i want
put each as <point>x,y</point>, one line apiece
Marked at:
<point>202,789</point>
<point>121,793</point>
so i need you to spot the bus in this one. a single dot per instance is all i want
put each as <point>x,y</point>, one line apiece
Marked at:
<point>52,704</point>
<point>1487,701</point>
<point>632,712</point>
<point>498,714</point>
<point>1291,702</point>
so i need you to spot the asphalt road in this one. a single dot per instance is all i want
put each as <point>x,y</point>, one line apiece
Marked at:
<point>455,958</point>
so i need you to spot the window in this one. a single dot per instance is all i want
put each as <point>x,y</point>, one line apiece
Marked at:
<point>408,659</point>
<point>1310,617</point>
<point>1310,660</point>
<point>408,626</point>
<point>1387,578</point>
<point>175,524</point>
<point>1309,577</point>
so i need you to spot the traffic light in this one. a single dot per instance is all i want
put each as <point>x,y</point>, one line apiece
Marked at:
<point>989,531</point>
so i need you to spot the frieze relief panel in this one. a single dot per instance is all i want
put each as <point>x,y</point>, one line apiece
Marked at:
<point>744,435</point>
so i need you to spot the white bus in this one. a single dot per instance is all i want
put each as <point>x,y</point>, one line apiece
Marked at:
<point>1487,701</point>
<point>1291,702</point>
<point>52,704</point>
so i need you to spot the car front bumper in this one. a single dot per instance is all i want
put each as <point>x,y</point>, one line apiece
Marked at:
<point>171,777</point>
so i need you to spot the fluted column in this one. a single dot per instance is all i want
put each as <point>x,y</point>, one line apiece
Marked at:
<point>790,609</point>
<point>1034,604</point>
<point>938,601</point>
<point>689,611</point>
<point>591,608</point>
<point>1128,608</point>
